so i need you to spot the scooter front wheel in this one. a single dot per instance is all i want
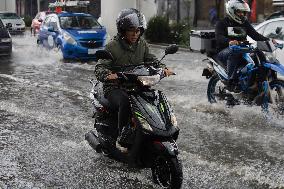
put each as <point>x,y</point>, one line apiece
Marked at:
<point>167,172</point>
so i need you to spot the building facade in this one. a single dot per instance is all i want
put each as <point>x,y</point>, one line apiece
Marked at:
<point>8,5</point>
<point>31,7</point>
<point>111,8</point>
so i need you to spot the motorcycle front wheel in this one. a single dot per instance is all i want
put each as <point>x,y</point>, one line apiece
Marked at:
<point>277,95</point>
<point>167,172</point>
<point>215,90</point>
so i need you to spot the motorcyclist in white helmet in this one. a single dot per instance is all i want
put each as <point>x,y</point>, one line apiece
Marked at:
<point>235,20</point>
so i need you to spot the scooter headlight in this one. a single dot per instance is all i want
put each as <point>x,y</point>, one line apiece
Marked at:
<point>149,80</point>
<point>145,124</point>
<point>67,37</point>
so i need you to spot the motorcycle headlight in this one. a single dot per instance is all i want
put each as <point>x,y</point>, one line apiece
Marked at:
<point>145,124</point>
<point>173,119</point>
<point>149,80</point>
<point>6,40</point>
<point>69,39</point>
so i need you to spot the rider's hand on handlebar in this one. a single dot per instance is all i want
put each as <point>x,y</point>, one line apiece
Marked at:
<point>234,42</point>
<point>274,41</point>
<point>112,76</point>
<point>168,72</point>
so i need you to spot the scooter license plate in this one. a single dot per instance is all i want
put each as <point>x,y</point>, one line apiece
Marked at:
<point>91,51</point>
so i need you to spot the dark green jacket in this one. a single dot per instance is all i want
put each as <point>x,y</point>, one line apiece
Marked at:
<point>123,54</point>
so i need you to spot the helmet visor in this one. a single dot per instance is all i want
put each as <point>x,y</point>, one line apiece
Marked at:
<point>130,21</point>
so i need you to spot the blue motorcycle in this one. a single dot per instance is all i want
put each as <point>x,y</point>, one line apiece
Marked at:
<point>257,80</point>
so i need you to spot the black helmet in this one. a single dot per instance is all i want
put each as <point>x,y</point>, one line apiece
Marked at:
<point>128,18</point>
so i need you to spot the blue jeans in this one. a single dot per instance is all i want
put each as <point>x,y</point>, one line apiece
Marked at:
<point>233,60</point>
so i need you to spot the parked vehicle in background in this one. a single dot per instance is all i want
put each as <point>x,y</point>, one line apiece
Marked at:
<point>5,40</point>
<point>273,28</point>
<point>39,18</point>
<point>76,35</point>
<point>277,14</point>
<point>17,23</point>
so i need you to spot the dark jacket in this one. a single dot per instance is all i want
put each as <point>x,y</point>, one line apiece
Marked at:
<point>221,33</point>
<point>123,54</point>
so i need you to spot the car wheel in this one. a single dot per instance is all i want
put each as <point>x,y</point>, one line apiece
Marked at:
<point>60,51</point>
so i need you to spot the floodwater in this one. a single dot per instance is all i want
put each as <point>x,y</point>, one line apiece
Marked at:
<point>45,111</point>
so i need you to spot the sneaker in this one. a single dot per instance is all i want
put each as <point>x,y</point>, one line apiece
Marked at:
<point>121,148</point>
<point>233,86</point>
<point>231,101</point>
<point>237,89</point>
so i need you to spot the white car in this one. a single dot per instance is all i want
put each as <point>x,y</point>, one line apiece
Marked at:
<point>17,25</point>
<point>273,28</point>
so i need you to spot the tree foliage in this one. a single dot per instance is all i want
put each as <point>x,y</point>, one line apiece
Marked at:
<point>158,29</point>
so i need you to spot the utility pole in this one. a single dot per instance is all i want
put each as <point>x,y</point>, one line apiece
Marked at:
<point>31,4</point>
<point>168,11</point>
<point>195,13</point>
<point>178,11</point>
<point>38,5</point>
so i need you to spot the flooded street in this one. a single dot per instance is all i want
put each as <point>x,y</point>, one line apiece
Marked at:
<point>45,112</point>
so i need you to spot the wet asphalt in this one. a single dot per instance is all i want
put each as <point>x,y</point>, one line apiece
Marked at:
<point>45,111</point>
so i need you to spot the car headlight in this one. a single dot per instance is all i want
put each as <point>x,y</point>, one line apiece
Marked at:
<point>149,80</point>
<point>174,119</point>
<point>145,124</point>
<point>6,40</point>
<point>69,39</point>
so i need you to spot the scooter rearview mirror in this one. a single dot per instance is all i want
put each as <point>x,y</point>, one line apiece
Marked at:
<point>171,49</point>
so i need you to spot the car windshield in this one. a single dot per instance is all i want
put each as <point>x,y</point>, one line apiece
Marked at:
<point>75,22</point>
<point>9,16</point>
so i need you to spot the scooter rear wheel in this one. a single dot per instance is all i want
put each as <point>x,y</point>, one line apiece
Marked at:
<point>215,90</point>
<point>277,95</point>
<point>167,172</point>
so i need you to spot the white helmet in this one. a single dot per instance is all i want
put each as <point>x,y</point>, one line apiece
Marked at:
<point>233,5</point>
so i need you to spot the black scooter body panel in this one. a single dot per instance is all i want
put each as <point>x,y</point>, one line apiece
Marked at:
<point>155,109</point>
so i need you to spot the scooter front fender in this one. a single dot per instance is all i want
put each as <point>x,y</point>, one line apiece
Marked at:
<point>276,67</point>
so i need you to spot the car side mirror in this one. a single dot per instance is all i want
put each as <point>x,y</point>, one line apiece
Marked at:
<point>103,54</point>
<point>278,30</point>
<point>172,49</point>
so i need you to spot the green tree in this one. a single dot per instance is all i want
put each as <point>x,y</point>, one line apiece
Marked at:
<point>158,29</point>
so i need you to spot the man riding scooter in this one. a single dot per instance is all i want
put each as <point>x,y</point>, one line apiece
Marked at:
<point>127,48</point>
<point>236,19</point>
